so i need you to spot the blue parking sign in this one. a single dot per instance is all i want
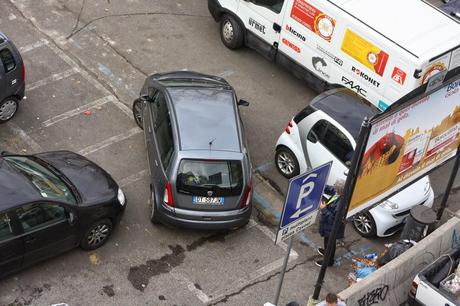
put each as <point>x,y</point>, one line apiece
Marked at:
<point>302,201</point>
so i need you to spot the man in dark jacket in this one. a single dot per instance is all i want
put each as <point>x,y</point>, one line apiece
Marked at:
<point>328,210</point>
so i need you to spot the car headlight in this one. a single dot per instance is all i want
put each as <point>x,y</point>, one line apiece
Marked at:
<point>387,204</point>
<point>427,187</point>
<point>121,197</point>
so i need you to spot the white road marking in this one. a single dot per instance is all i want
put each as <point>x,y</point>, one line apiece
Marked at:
<point>133,178</point>
<point>272,236</point>
<point>53,78</point>
<point>78,110</point>
<point>33,46</point>
<point>109,141</point>
<point>26,138</point>
<point>191,287</point>
<point>125,109</point>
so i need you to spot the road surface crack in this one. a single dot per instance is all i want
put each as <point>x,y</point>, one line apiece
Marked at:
<point>225,298</point>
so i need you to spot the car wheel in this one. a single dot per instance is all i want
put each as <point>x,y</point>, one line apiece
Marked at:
<point>286,162</point>
<point>97,235</point>
<point>137,113</point>
<point>365,225</point>
<point>153,210</point>
<point>8,108</point>
<point>231,32</point>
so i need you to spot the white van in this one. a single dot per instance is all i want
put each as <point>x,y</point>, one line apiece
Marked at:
<point>382,49</point>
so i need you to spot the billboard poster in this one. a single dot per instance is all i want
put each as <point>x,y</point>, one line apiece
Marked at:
<point>312,18</point>
<point>364,52</point>
<point>406,144</point>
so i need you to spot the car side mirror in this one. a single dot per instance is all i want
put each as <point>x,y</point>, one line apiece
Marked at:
<point>242,102</point>
<point>312,137</point>
<point>346,171</point>
<point>71,218</point>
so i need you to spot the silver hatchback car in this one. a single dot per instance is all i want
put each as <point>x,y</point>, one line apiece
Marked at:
<point>199,164</point>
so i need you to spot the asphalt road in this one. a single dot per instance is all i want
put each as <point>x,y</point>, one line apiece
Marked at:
<point>85,63</point>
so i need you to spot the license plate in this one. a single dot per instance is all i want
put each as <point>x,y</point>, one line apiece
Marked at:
<point>208,200</point>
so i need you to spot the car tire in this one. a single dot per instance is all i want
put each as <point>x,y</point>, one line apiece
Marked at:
<point>8,108</point>
<point>153,210</point>
<point>137,113</point>
<point>96,235</point>
<point>231,32</point>
<point>286,162</point>
<point>365,225</point>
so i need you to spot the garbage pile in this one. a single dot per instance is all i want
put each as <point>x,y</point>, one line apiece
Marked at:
<point>369,263</point>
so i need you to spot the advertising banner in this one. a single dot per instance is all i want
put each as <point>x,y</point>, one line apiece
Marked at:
<point>407,143</point>
<point>312,18</point>
<point>364,52</point>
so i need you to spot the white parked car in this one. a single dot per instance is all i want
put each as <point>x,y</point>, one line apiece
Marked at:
<point>327,130</point>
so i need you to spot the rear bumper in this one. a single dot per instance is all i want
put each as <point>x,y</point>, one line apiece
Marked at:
<point>204,219</point>
<point>20,93</point>
<point>215,9</point>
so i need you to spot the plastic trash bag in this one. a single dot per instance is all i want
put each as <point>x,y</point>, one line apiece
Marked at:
<point>395,250</point>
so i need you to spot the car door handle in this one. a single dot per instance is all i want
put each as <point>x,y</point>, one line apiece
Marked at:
<point>149,129</point>
<point>156,163</point>
<point>31,240</point>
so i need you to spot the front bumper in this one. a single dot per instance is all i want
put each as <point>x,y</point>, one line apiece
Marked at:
<point>205,220</point>
<point>215,9</point>
<point>389,222</point>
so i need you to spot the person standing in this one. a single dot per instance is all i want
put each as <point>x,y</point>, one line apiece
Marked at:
<point>328,212</point>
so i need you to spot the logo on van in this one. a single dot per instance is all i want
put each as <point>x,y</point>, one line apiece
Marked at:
<point>290,45</point>
<point>256,25</point>
<point>398,76</point>
<point>365,76</point>
<point>353,86</point>
<point>319,64</point>
<point>337,60</point>
<point>295,33</point>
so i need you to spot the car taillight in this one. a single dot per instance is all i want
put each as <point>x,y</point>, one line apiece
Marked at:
<point>288,128</point>
<point>413,289</point>
<point>246,198</point>
<point>23,72</point>
<point>167,198</point>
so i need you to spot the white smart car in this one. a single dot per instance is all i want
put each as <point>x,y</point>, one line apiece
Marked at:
<point>327,130</point>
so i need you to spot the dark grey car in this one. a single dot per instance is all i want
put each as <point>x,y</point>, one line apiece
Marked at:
<point>198,160</point>
<point>12,79</point>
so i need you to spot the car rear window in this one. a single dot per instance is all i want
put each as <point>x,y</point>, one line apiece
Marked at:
<point>223,177</point>
<point>304,113</point>
<point>7,58</point>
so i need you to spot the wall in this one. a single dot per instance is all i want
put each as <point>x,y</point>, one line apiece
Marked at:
<point>390,284</point>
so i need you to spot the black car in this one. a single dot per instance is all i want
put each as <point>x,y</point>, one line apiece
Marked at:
<point>52,202</point>
<point>12,79</point>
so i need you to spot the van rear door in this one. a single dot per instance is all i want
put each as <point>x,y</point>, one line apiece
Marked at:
<point>262,19</point>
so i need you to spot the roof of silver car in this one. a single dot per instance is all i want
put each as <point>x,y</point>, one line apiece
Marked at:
<point>345,107</point>
<point>206,117</point>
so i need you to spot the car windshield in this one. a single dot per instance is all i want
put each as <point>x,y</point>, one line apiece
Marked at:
<point>198,176</point>
<point>47,183</point>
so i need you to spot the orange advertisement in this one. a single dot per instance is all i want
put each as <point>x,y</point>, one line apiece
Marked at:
<point>364,52</point>
<point>406,144</point>
<point>312,18</point>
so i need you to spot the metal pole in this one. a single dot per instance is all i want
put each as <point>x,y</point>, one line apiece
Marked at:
<point>450,183</point>
<point>344,203</point>
<point>280,283</point>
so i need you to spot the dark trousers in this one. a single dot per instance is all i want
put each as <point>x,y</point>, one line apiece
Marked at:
<point>326,239</point>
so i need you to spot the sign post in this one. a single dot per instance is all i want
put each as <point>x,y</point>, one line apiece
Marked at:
<point>300,209</point>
